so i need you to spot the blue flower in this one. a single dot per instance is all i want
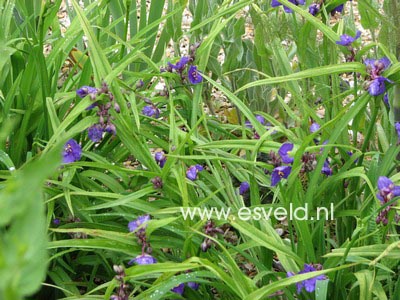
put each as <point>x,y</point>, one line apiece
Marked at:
<point>87,90</point>
<point>72,151</point>
<point>387,189</point>
<point>144,259</point>
<point>151,111</point>
<point>338,9</point>
<point>283,153</point>
<point>314,9</point>
<point>193,285</point>
<point>110,128</point>
<point>179,289</point>
<point>180,65</point>
<point>244,187</point>
<point>377,86</point>
<point>278,173</point>
<point>314,127</point>
<point>260,119</point>
<point>194,75</point>
<point>326,169</point>
<point>160,158</point>
<point>397,127</point>
<point>347,40</point>
<point>308,284</point>
<point>135,224</point>
<point>275,3</point>
<point>95,133</point>
<point>376,66</point>
<point>192,171</point>
<point>386,100</point>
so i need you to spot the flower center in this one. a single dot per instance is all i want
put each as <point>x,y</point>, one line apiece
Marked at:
<point>68,148</point>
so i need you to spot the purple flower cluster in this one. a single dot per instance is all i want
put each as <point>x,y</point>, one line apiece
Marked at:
<point>386,192</point>
<point>138,226</point>
<point>275,3</point>
<point>185,62</point>
<point>281,172</point>
<point>376,83</point>
<point>95,132</point>
<point>122,291</point>
<point>283,160</point>
<point>315,8</point>
<point>308,284</point>
<point>211,230</point>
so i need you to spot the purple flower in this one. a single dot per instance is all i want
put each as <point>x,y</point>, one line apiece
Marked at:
<point>376,66</point>
<point>314,127</point>
<point>86,90</point>
<point>150,111</point>
<point>160,158</point>
<point>179,289</point>
<point>278,173</point>
<point>244,187</point>
<point>338,9</point>
<point>194,75</point>
<point>56,221</point>
<point>347,40</point>
<point>397,127</point>
<point>308,284</point>
<point>313,9</point>
<point>377,86</point>
<point>193,285</point>
<point>275,3</point>
<point>387,189</point>
<point>95,133</point>
<point>326,168</point>
<point>260,119</point>
<point>283,153</point>
<point>144,259</point>
<point>199,167</point>
<point>386,100</point>
<point>386,192</point>
<point>192,171</point>
<point>72,151</point>
<point>133,225</point>
<point>110,128</point>
<point>91,106</point>
<point>180,65</point>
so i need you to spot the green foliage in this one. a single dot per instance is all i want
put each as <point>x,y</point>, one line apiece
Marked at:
<point>64,225</point>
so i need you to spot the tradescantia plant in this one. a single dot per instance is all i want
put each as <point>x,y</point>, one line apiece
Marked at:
<point>146,157</point>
